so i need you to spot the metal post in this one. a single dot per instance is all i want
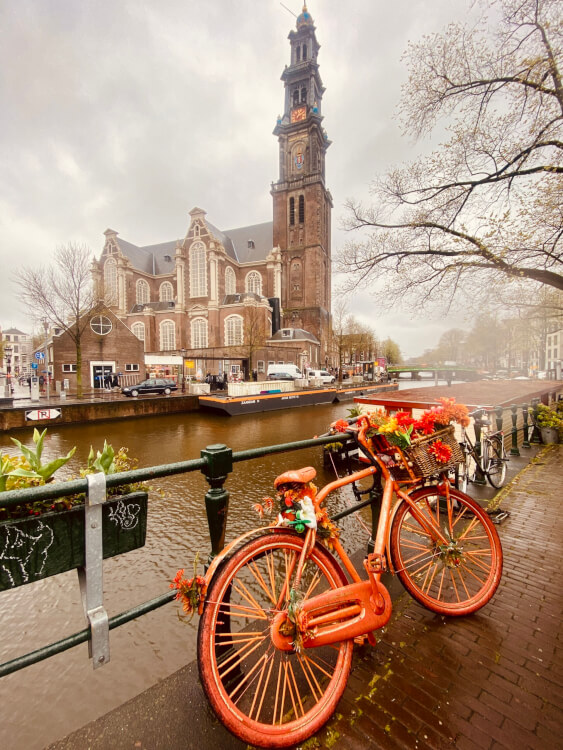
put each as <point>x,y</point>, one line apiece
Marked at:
<point>479,476</point>
<point>183,376</point>
<point>499,417</point>
<point>535,431</point>
<point>514,449</point>
<point>525,428</point>
<point>219,464</point>
<point>46,329</point>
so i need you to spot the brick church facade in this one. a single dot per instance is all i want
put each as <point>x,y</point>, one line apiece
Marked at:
<point>253,294</point>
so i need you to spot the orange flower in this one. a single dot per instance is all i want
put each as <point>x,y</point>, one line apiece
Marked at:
<point>341,425</point>
<point>441,452</point>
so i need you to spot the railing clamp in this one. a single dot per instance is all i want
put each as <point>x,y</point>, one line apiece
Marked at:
<point>91,575</point>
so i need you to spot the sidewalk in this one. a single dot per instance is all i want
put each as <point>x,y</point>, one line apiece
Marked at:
<point>492,680</point>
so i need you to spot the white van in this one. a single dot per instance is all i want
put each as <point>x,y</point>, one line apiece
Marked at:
<point>323,375</point>
<point>284,372</point>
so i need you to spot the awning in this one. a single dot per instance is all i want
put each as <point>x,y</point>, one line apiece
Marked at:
<point>163,359</point>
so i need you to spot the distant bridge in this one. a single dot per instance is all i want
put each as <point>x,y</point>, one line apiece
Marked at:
<point>442,372</point>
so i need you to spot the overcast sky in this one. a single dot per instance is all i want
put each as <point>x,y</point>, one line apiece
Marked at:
<point>128,114</point>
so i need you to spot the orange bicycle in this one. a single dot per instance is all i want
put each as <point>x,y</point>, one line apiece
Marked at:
<point>281,613</point>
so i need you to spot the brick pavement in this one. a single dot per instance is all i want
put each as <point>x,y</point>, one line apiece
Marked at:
<point>489,681</point>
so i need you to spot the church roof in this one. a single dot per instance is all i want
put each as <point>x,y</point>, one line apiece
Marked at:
<point>293,334</point>
<point>250,244</point>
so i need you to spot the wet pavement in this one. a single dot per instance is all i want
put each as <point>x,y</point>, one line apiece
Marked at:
<point>491,680</point>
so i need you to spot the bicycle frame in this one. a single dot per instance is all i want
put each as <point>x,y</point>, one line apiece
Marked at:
<point>363,605</point>
<point>470,449</point>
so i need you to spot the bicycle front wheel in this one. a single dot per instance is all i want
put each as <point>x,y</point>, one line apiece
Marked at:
<point>456,578</point>
<point>465,472</point>
<point>494,461</point>
<point>264,696</point>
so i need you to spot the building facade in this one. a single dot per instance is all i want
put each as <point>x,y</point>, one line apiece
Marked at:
<point>222,296</point>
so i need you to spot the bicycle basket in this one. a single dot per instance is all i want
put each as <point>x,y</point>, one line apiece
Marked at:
<point>415,461</point>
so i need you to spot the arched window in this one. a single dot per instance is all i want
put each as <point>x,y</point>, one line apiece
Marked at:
<point>230,281</point>
<point>196,230</point>
<point>303,95</point>
<point>296,97</point>
<point>166,292</point>
<point>233,330</point>
<point>138,330</point>
<point>199,333</point>
<point>110,281</point>
<point>143,292</point>
<point>292,211</point>
<point>198,270</point>
<point>254,282</point>
<point>304,51</point>
<point>301,209</point>
<point>298,53</point>
<point>167,336</point>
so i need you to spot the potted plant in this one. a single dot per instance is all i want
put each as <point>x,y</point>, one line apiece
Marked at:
<point>44,538</point>
<point>550,424</point>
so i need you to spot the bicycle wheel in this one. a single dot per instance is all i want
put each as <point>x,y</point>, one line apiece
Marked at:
<point>264,696</point>
<point>494,461</point>
<point>454,579</point>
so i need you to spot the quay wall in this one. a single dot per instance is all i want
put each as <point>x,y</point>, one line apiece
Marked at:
<point>95,411</point>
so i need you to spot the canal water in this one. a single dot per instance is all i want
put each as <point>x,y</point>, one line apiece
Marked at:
<point>48,700</point>
<point>44,702</point>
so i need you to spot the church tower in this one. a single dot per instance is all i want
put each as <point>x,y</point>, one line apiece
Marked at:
<point>302,202</point>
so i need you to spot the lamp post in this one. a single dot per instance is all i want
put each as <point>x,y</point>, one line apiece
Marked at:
<point>183,353</point>
<point>8,357</point>
<point>46,329</point>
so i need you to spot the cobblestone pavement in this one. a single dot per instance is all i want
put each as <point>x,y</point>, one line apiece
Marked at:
<point>491,680</point>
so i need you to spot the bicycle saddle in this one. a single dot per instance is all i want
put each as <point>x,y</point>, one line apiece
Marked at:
<point>297,475</point>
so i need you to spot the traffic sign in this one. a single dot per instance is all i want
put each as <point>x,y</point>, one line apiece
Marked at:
<point>35,414</point>
<point>39,355</point>
<point>34,365</point>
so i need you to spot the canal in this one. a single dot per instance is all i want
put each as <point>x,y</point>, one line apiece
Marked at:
<point>48,700</point>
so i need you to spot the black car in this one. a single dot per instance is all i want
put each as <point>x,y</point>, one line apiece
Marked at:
<point>153,385</point>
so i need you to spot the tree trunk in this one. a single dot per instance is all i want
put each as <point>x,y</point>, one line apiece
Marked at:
<point>78,368</point>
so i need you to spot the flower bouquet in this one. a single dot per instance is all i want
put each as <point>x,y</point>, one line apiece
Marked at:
<point>422,447</point>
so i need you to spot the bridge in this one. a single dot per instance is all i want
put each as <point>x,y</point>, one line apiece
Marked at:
<point>442,372</point>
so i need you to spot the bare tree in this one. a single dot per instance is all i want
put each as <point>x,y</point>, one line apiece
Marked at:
<point>255,331</point>
<point>62,294</point>
<point>487,207</point>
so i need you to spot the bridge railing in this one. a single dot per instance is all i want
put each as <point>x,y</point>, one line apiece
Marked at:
<point>216,463</point>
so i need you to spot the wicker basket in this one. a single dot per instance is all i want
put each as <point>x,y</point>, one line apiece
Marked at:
<point>415,461</point>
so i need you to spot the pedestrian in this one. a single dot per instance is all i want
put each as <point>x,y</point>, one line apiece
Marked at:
<point>107,381</point>
<point>114,381</point>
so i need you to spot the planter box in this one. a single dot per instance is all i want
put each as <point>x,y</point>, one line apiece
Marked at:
<point>40,546</point>
<point>549,435</point>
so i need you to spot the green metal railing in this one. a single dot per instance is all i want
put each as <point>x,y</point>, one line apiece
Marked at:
<point>216,463</point>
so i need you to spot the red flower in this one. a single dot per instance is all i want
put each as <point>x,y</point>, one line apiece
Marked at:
<point>341,425</point>
<point>404,418</point>
<point>426,423</point>
<point>441,452</point>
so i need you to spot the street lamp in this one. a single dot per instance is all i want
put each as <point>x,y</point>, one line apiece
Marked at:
<point>8,357</point>
<point>183,353</point>
<point>46,329</point>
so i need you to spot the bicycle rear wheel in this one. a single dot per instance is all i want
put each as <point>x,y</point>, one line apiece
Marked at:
<point>453,579</point>
<point>264,696</point>
<point>494,461</point>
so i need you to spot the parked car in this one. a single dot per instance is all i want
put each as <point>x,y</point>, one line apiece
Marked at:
<point>153,385</point>
<point>323,375</point>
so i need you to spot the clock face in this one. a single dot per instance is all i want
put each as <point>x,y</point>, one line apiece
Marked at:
<point>298,114</point>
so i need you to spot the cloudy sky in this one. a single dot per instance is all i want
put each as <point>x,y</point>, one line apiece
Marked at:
<point>128,114</point>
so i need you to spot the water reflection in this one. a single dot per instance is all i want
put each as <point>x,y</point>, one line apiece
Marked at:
<point>63,692</point>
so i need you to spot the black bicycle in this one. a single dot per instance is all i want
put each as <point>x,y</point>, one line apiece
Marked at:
<point>490,462</point>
